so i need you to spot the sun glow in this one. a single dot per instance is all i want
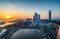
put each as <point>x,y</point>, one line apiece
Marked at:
<point>8,17</point>
<point>9,12</point>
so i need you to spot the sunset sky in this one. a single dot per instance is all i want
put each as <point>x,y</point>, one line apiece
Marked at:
<point>27,8</point>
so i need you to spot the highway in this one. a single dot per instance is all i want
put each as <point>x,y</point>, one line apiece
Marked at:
<point>7,23</point>
<point>58,34</point>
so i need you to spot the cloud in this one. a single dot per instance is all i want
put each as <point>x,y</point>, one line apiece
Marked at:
<point>10,5</point>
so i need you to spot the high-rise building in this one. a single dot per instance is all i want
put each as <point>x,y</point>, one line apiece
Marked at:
<point>36,17</point>
<point>49,15</point>
<point>39,17</point>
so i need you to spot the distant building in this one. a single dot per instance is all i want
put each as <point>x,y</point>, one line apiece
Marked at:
<point>36,17</point>
<point>0,29</point>
<point>49,15</point>
<point>39,17</point>
<point>29,20</point>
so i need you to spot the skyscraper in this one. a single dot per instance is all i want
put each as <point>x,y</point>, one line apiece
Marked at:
<point>49,15</point>
<point>39,17</point>
<point>36,17</point>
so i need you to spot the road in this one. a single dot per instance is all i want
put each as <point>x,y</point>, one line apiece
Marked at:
<point>58,34</point>
<point>7,23</point>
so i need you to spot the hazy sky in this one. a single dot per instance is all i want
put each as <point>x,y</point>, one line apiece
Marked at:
<point>27,8</point>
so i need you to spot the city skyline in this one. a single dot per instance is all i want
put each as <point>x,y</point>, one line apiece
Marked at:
<point>26,8</point>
